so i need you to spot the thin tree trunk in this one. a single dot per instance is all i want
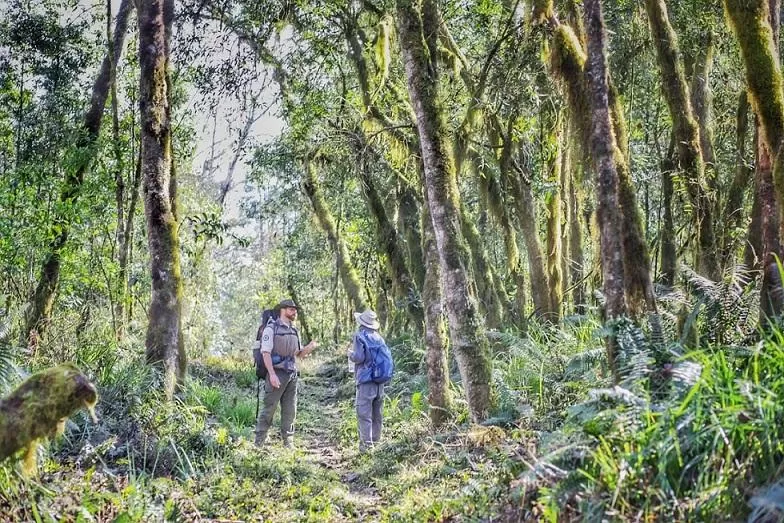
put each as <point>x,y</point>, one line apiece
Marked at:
<point>484,279</point>
<point>390,243</point>
<point>576,256</point>
<point>604,151</point>
<point>348,273</point>
<point>669,253</point>
<point>164,335</point>
<point>443,197</point>
<point>690,156</point>
<point>492,198</point>
<point>554,247</point>
<point>225,185</point>
<point>537,268</point>
<point>701,101</point>
<point>40,309</point>
<point>119,180</point>
<point>733,214</point>
<point>408,216</point>
<point>435,329</point>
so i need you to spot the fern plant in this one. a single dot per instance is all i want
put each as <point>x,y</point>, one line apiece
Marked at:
<point>728,308</point>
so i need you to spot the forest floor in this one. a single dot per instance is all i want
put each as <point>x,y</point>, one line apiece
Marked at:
<point>195,460</point>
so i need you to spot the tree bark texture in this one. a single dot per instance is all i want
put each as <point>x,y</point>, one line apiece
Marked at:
<point>348,274</point>
<point>569,64</point>
<point>492,197</point>
<point>733,214</point>
<point>554,240</point>
<point>484,280</point>
<point>690,156</point>
<point>604,151</point>
<point>435,329</point>
<point>165,343</point>
<point>42,302</point>
<point>467,331</point>
<point>391,244</point>
<point>701,100</point>
<point>408,220</point>
<point>753,25</point>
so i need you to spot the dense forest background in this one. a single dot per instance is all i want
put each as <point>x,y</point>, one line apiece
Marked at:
<point>565,214</point>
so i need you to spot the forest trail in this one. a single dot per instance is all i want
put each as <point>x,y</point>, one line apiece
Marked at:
<point>322,409</point>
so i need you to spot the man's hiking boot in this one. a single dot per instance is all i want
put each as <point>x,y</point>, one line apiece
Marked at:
<point>259,442</point>
<point>288,443</point>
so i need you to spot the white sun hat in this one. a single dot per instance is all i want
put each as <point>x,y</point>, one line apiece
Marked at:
<point>368,319</point>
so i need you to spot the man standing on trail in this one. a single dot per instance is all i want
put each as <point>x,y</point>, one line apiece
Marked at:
<point>280,346</point>
<point>373,369</point>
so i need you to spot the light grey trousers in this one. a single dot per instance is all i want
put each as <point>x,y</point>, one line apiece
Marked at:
<point>286,394</point>
<point>370,406</point>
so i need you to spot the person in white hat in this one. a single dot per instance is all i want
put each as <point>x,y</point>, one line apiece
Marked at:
<point>373,369</point>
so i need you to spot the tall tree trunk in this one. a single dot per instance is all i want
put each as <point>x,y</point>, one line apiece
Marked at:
<point>576,256</point>
<point>390,242</point>
<point>467,332</point>
<point>554,248</point>
<point>669,253</point>
<point>701,101</point>
<point>537,268</point>
<point>40,309</point>
<point>484,279</point>
<point>165,344</point>
<point>569,62</point>
<point>732,216</point>
<point>753,25</point>
<point>348,273</point>
<point>408,218</point>
<point>690,156</point>
<point>492,198</point>
<point>604,151</point>
<point>435,329</point>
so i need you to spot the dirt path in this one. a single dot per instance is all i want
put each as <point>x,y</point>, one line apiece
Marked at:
<point>321,407</point>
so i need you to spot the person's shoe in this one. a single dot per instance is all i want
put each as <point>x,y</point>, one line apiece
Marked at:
<point>259,442</point>
<point>288,443</point>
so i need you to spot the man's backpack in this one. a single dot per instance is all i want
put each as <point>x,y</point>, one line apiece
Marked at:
<point>379,366</point>
<point>267,316</point>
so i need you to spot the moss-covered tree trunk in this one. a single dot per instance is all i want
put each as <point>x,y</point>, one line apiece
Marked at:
<point>40,309</point>
<point>701,103</point>
<point>554,239</point>
<point>408,223</point>
<point>669,253</point>
<point>686,127</point>
<point>733,214</point>
<point>491,189</point>
<point>165,343</point>
<point>391,243</point>
<point>569,62</point>
<point>537,266</point>
<point>751,22</point>
<point>576,256</point>
<point>484,279</point>
<point>604,151</point>
<point>348,274</point>
<point>435,329</point>
<point>467,331</point>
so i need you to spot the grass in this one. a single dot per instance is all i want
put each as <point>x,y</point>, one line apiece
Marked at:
<point>709,450</point>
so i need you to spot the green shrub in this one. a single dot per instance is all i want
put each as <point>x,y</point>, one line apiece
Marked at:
<point>241,413</point>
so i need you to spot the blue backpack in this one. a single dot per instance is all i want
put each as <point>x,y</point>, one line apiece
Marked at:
<point>379,367</point>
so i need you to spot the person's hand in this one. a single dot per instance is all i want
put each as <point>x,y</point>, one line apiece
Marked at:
<point>274,381</point>
<point>312,345</point>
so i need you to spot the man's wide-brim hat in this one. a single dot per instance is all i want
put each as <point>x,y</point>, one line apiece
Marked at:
<point>367,319</point>
<point>286,304</point>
